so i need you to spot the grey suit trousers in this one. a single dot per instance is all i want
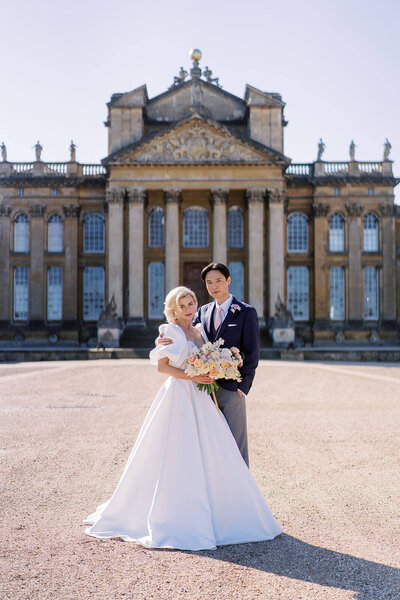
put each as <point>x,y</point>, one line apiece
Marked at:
<point>233,407</point>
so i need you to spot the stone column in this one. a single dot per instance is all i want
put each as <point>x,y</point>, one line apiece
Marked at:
<point>136,199</point>
<point>321,279</point>
<point>70,289</point>
<point>36,289</point>
<point>115,238</point>
<point>356,294</point>
<point>276,237</point>
<point>388,310</point>
<point>172,199</point>
<point>255,199</point>
<point>219,199</point>
<point>5,226</point>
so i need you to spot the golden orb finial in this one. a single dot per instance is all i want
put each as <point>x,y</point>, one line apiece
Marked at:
<point>195,54</point>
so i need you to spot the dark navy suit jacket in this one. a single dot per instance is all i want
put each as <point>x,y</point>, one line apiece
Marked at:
<point>240,328</point>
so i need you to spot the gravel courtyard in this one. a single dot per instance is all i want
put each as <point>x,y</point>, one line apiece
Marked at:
<point>324,449</point>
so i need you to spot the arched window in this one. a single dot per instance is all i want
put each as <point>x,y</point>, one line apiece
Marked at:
<point>156,227</point>
<point>55,233</point>
<point>336,233</point>
<point>297,233</point>
<point>235,227</point>
<point>370,233</point>
<point>21,233</point>
<point>93,234</point>
<point>195,228</point>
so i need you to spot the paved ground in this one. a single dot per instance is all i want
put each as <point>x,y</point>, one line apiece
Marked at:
<point>324,448</point>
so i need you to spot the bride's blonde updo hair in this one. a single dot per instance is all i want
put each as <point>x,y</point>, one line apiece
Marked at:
<point>172,311</point>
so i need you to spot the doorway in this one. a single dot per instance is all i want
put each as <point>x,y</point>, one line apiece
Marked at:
<point>192,280</point>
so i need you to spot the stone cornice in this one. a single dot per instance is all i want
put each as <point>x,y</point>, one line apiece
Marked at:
<point>136,195</point>
<point>172,195</point>
<point>219,195</point>
<point>71,211</point>
<point>37,210</point>
<point>255,195</point>
<point>354,210</point>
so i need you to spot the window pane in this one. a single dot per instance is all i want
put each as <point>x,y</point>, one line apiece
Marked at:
<point>371,294</point>
<point>297,233</point>
<point>337,298</point>
<point>336,233</point>
<point>21,234</point>
<point>93,293</point>
<point>54,294</point>
<point>55,234</point>
<point>156,290</point>
<point>21,293</point>
<point>235,227</point>
<point>236,287</point>
<point>156,228</point>
<point>370,233</point>
<point>94,234</point>
<point>297,291</point>
<point>195,228</point>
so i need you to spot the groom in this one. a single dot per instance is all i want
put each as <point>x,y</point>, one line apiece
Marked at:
<point>237,324</point>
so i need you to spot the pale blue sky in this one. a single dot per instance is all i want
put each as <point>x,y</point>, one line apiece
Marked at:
<point>335,63</point>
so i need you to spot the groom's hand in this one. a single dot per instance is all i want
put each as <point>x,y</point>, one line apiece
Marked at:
<point>162,341</point>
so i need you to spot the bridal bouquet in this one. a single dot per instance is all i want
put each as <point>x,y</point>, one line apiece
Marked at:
<point>217,362</point>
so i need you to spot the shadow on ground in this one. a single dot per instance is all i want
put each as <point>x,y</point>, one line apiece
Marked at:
<point>290,557</point>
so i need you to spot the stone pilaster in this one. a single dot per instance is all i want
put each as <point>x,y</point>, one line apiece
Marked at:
<point>355,295</point>
<point>136,200</point>
<point>5,225</point>
<point>387,212</point>
<point>219,199</point>
<point>115,201</point>
<point>172,199</point>
<point>255,199</point>
<point>321,282</point>
<point>70,288</point>
<point>36,290</point>
<point>276,237</point>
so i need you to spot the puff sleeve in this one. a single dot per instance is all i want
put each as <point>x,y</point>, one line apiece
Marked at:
<point>175,352</point>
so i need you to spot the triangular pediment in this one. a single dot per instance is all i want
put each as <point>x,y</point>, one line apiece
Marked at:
<point>196,140</point>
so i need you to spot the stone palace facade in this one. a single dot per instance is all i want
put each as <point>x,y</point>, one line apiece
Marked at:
<point>192,175</point>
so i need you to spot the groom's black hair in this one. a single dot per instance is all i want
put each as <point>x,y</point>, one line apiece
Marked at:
<point>214,266</point>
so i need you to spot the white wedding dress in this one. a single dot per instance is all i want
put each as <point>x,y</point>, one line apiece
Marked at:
<point>185,484</point>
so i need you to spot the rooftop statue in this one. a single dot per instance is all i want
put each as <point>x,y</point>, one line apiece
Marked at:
<point>38,151</point>
<point>387,146</point>
<point>352,151</point>
<point>72,149</point>
<point>321,149</point>
<point>3,152</point>
<point>180,78</point>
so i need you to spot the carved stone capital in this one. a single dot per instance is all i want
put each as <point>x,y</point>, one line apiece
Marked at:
<point>254,195</point>
<point>136,195</point>
<point>37,210</point>
<point>387,210</point>
<point>172,195</point>
<point>5,210</point>
<point>354,209</point>
<point>277,196</point>
<point>219,195</point>
<point>71,211</point>
<point>321,210</point>
<point>115,196</point>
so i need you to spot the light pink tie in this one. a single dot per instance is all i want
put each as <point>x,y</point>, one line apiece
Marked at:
<point>218,318</point>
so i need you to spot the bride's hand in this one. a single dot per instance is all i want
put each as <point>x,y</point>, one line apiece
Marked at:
<point>162,341</point>
<point>205,379</point>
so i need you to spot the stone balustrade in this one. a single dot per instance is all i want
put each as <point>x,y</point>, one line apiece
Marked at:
<point>340,169</point>
<point>39,168</point>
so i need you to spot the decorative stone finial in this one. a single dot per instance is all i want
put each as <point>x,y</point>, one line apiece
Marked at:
<point>195,55</point>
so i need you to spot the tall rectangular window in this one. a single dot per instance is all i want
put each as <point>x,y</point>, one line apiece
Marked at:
<point>54,294</point>
<point>93,293</point>
<point>156,290</point>
<point>371,294</point>
<point>337,298</point>
<point>21,293</point>
<point>236,287</point>
<point>297,292</point>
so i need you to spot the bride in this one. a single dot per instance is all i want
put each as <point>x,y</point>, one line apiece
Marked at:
<point>185,484</point>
